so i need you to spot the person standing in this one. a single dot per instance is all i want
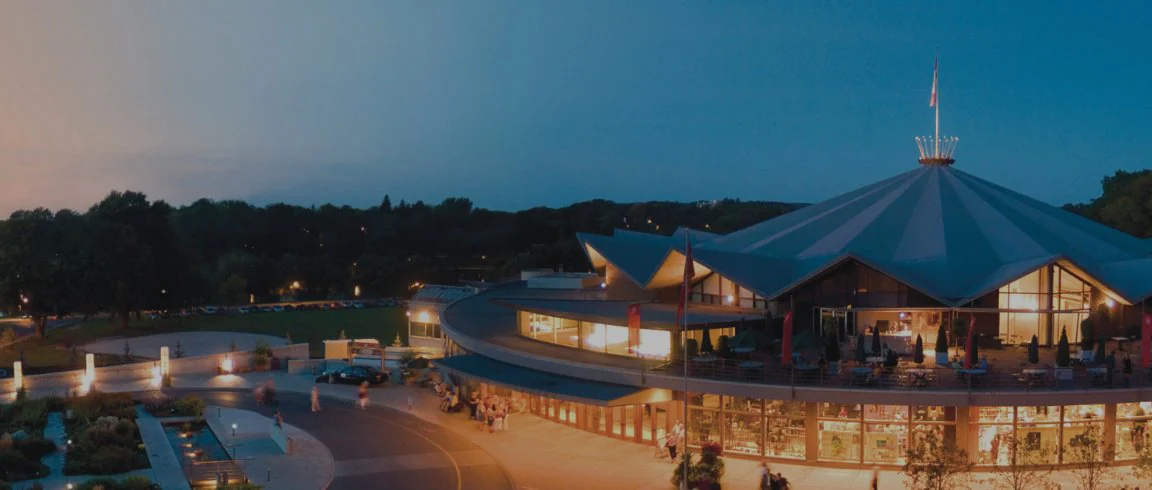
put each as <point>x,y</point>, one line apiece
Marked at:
<point>363,395</point>
<point>279,419</point>
<point>1128,370</point>
<point>875,485</point>
<point>1110,361</point>
<point>315,398</point>
<point>765,476</point>
<point>673,441</point>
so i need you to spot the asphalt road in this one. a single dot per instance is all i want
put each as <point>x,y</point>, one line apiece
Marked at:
<point>380,447</point>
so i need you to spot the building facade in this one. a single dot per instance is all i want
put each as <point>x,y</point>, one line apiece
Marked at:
<point>893,264</point>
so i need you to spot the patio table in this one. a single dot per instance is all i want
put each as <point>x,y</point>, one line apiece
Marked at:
<point>1120,342</point>
<point>874,359</point>
<point>743,350</point>
<point>751,365</point>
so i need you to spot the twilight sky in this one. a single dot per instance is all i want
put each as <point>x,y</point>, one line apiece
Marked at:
<point>535,102</point>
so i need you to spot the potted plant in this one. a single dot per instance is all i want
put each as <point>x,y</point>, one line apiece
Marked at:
<point>832,354</point>
<point>706,341</point>
<point>1087,341</point>
<point>875,341</point>
<point>1034,350</point>
<point>722,348</point>
<point>691,348</point>
<point>1063,357</point>
<point>918,355</point>
<point>1100,354</point>
<point>942,346</point>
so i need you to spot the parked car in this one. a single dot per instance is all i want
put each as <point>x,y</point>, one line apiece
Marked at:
<point>243,310</point>
<point>266,309</point>
<point>278,308</point>
<point>353,375</point>
<point>358,305</point>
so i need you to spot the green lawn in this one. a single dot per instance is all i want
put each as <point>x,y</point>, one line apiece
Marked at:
<point>302,326</point>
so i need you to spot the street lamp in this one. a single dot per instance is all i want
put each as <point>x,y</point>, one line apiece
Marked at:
<point>233,430</point>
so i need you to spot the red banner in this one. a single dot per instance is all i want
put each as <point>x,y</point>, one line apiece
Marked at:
<point>633,327</point>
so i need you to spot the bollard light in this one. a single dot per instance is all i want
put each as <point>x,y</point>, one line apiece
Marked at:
<point>226,364</point>
<point>233,429</point>
<point>156,377</point>
<point>18,375</point>
<point>165,367</point>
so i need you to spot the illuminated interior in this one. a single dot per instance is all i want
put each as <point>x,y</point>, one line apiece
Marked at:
<point>597,337</point>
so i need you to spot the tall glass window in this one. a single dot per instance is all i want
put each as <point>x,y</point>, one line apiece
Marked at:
<point>1083,433</point>
<point>885,433</point>
<point>1026,296</point>
<point>1037,435</point>
<point>994,425</point>
<point>1133,429</point>
<point>839,435</point>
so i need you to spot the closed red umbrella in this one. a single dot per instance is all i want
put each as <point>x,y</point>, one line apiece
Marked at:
<point>968,360</point>
<point>786,341</point>
<point>1146,342</point>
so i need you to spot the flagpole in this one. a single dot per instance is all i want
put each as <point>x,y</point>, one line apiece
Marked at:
<point>936,89</point>
<point>684,353</point>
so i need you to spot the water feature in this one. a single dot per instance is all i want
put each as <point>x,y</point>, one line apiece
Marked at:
<point>195,441</point>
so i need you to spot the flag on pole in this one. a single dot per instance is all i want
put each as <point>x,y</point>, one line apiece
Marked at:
<point>689,272</point>
<point>935,80</point>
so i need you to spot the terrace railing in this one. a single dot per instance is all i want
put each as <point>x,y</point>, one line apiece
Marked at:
<point>906,376</point>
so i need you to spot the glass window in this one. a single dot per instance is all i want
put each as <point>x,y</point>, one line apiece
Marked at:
<point>703,426</point>
<point>741,404</point>
<point>1037,443</point>
<point>595,336</point>
<point>1082,441</point>
<point>840,411</point>
<point>629,421</point>
<point>885,443</point>
<point>994,414</point>
<point>1038,414</point>
<point>568,332</point>
<point>599,419</point>
<point>933,413</point>
<point>786,408</point>
<point>1133,410</point>
<point>1083,412</point>
<point>743,432</point>
<point>1132,437</point>
<point>992,444</point>
<point>704,400</point>
<point>839,441</point>
<point>646,422</point>
<point>786,438</point>
<point>944,433</point>
<point>617,339</point>
<point>886,412</point>
<point>654,343</point>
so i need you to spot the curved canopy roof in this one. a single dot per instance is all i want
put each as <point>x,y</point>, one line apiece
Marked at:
<point>947,233</point>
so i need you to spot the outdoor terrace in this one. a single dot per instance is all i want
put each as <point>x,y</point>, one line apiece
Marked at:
<point>1009,370</point>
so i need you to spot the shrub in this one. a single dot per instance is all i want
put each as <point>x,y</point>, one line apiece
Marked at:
<point>942,339</point>
<point>18,467</point>
<point>692,347</point>
<point>8,337</point>
<point>190,406</point>
<point>130,483</point>
<point>35,447</point>
<point>1063,356</point>
<point>104,460</point>
<point>722,348</point>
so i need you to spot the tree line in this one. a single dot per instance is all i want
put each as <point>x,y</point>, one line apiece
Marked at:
<point>128,254</point>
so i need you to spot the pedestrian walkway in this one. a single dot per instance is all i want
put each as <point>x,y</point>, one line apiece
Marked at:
<point>309,466</point>
<point>166,468</point>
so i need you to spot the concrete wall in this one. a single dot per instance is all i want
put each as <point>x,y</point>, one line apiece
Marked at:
<point>143,370</point>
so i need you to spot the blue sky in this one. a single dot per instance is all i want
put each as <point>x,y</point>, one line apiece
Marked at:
<point>523,103</point>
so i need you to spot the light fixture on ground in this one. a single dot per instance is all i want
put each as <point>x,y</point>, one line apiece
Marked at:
<point>17,375</point>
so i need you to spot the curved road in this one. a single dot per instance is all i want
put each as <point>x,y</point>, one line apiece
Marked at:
<point>380,447</point>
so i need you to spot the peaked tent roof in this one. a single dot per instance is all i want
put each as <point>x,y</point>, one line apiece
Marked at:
<point>945,232</point>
